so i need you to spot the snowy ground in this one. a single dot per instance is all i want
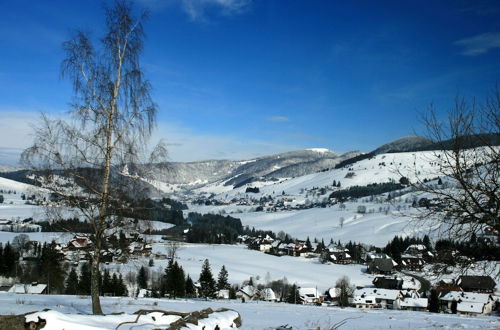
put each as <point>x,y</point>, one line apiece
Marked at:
<point>377,228</point>
<point>255,315</point>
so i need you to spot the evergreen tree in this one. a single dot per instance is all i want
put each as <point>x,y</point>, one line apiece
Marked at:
<point>207,282</point>
<point>71,285</point>
<point>84,280</point>
<point>50,268</point>
<point>427,242</point>
<point>308,244</point>
<point>232,292</point>
<point>434,302</point>
<point>175,282</point>
<point>190,288</point>
<point>293,296</point>
<point>114,285</point>
<point>2,262</point>
<point>121,288</point>
<point>142,278</point>
<point>10,258</point>
<point>106,287</point>
<point>151,263</point>
<point>222,280</point>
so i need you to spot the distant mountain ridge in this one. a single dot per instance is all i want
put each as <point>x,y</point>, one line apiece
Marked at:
<point>287,164</point>
<point>191,175</point>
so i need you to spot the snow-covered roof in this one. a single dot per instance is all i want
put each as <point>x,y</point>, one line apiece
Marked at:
<point>470,307</point>
<point>378,293</point>
<point>28,288</point>
<point>223,294</point>
<point>248,290</point>
<point>482,298</point>
<point>414,302</point>
<point>419,247</point>
<point>267,294</point>
<point>308,293</point>
<point>276,243</point>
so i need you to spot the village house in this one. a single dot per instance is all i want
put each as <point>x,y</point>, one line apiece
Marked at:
<point>412,262</point>
<point>467,303</point>
<point>385,298</point>
<point>223,294</point>
<point>247,293</point>
<point>384,282</point>
<point>483,284</point>
<point>267,294</point>
<point>309,296</point>
<point>33,288</point>
<point>339,255</point>
<point>412,304</point>
<point>374,298</point>
<point>381,266</point>
<point>79,243</point>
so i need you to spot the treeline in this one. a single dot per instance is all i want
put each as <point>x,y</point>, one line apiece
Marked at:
<point>363,191</point>
<point>8,260</point>
<point>475,248</point>
<point>175,284</point>
<point>164,210</point>
<point>79,284</point>
<point>398,245</point>
<point>213,229</point>
<point>73,225</point>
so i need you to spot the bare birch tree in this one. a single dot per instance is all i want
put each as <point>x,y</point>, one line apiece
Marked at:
<point>80,159</point>
<point>466,198</point>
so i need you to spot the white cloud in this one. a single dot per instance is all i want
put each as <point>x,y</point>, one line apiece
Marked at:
<point>15,134</point>
<point>197,10</point>
<point>479,44</point>
<point>200,10</point>
<point>278,118</point>
<point>186,145</point>
<point>183,143</point>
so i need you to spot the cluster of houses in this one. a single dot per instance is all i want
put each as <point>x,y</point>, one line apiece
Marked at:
<point>413,258</point>
<point>335,253</point>
<point>79,248</point>
<point>469,295</point>
<point>19,226</point>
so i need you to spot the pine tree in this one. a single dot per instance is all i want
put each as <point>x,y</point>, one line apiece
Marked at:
<point>84,280</point>
<point>207,282</point>
<point>142,278</point>
<point>293,296</point>
<point>50,268</point>
<point>10,258</point>
<point>106,287</point>
<point>308,244</point>
<point>222,280</point>
<point>121,288</point>
<point>174,282</point>
<point>71,285</point>
<point>434,302</point>
<point>190,288</point>
<point>114,285</point>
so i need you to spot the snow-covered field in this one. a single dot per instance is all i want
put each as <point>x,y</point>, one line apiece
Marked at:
<point>242,263</point>
<point>375,228</point>
<point>254,315</point>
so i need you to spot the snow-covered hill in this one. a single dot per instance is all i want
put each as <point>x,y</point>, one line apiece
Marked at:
<point>230,173</point>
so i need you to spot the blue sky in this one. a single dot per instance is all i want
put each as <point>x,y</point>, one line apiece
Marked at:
<point>239,78</point>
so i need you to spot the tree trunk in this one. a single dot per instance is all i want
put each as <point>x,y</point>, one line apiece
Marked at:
<point>94,284</point>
